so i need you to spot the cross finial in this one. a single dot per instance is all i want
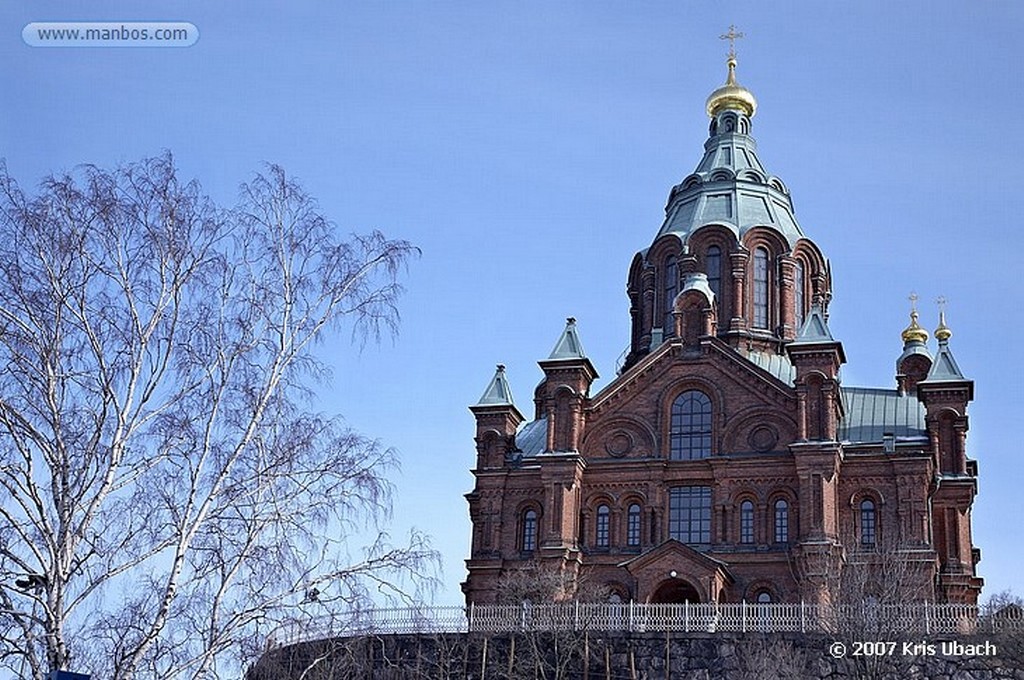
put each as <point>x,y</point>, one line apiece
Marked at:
<point>941,302</point>
<point>732,36</point>
<point>913,301</point>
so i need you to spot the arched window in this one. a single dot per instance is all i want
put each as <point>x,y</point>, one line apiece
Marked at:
<point>764,597</point>
<point>690,433</point>
<point>760,288</point>
<point>601,537</point>
<point>867,522</point>
<point>633,519</point>
<point>713,262</point>
<point>781,521</point>
<point>747,522</point>
<point>798,294</point>
<point>670,290</point>
<point>529,530</point>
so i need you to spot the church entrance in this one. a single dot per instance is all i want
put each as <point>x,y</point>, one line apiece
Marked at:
<point>675,591</point>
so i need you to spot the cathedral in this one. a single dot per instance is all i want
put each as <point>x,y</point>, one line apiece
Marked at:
<point>727,461</point>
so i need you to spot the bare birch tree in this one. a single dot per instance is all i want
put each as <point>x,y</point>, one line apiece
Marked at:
<point>167,492</point>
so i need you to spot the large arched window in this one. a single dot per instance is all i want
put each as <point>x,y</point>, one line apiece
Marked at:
<point>781,521</point>
<point>798,294</point>
<point>760,288</point>
<point>601,535</point>
<point>669,295</point>
<point>633,519</point>
<point>713,262</point>
<point>529,537</point>
<point>747,522</point>
<point>690,434</point>
<point>868,522</point>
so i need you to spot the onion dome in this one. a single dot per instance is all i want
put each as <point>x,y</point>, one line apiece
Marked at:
<point>732,95</point>
<point>914,332</point>
<point>943,332</point>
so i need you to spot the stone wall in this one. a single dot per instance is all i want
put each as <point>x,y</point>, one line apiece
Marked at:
<point>639,656</point>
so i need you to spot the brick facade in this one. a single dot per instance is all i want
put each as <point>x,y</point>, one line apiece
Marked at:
<point>726,461</point>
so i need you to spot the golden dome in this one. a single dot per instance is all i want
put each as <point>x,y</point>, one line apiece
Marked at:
<point>943,333</point>
<point>732,95</point>
<point>914,331</point>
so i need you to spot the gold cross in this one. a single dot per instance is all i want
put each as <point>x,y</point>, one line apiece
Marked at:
<point>731,36</point>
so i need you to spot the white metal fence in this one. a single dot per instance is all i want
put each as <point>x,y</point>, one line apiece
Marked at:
<point>917,618</point>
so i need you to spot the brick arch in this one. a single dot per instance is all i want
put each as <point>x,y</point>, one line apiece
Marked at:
<point>746,492</point>
<point>666,245</point>
<point>596,438</point>
<point>742,426</point>
<point>867,492</point>
<point>766,237</point>
<point>761,585</point>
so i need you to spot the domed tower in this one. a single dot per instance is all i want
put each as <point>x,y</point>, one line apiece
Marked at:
<point>733,223</point>
<point>727,461</point>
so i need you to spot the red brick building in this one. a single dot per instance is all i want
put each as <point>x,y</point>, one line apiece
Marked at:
<point>727,460</point>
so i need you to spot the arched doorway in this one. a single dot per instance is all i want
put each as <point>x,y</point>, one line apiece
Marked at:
<point>675,591</point>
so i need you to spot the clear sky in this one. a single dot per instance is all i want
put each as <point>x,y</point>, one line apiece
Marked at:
<point>528,148</point>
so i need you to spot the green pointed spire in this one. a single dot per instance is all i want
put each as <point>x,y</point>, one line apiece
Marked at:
<point>498,392</point>
<point>568,345</point>
<point>944,368</point>
<point>815,328</point>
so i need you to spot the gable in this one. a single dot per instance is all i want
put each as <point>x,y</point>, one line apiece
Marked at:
<point>628,418</point>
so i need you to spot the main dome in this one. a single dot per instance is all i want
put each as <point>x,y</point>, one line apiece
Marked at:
<point>732,95</point>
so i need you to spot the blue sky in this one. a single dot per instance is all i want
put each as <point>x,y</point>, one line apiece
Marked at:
<point>528,149</point>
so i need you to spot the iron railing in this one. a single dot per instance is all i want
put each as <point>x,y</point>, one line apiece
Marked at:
<point>866,619</point>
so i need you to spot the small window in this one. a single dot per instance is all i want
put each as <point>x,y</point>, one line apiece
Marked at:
<point>669,296</point>
<point>867,522</point>
<point>633,526</point>
<point>764,597</point>
<point>781,521</point>
<point>746,522</point>
<point>601,533</point>
<point>760,288</point>
<point>529,531</point>
<point>690,434</point>
<point>713,262</point>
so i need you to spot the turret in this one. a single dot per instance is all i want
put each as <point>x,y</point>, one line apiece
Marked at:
<point>915,362</point>
<point>497,420</point>
<point>817,356</point>
<point>568,375</point>
<point>945,393</point>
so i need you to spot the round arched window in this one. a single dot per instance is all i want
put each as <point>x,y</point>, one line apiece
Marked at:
<point>690,434</point>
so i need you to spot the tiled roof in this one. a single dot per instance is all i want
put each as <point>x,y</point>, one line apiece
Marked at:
<point>873,412</point>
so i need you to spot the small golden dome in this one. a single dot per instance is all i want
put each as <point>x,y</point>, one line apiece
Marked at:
<point>943,333</point>
<point>732,95</point>
<point>914,332</point>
